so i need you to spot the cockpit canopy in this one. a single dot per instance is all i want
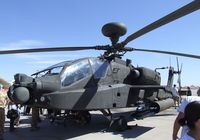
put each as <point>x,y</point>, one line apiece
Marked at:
<point>72,71</point>
<point>52,70</point>
<point>82,69</point>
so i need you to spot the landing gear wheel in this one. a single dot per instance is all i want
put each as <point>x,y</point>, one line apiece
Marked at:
<point>83,117</point>
<point>87,117</point>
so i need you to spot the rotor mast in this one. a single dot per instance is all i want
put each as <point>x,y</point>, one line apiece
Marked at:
<point>114,31</point>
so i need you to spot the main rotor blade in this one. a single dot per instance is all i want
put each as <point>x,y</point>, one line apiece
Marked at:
<point>45,50</point>
<point>169,52</point>
<point>187,9</point>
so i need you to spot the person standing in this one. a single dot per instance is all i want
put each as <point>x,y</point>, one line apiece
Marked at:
<point>192,120</point>
<point>35,118</point>
<point>189,92</point>
<point>181,109</point>
<point>175,95</point>
<point>198,92</point>
<point>3,103</point>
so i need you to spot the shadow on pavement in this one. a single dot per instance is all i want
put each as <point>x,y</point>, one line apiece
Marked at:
<point>56,131</point>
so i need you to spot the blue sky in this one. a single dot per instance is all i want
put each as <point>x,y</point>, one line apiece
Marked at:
<point>45,23</point>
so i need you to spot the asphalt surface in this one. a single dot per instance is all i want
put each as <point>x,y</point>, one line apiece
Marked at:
<point>156,127</point>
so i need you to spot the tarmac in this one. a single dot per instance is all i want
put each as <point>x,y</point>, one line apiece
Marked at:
<point>156,127</point>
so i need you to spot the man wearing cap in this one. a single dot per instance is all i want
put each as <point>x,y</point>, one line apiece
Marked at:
<point>3,103</point>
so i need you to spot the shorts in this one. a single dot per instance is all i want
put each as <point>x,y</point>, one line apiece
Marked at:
<point>175,98</point>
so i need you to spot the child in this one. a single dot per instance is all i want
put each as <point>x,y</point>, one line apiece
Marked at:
<point>192,120</point>
<point>13,115</point>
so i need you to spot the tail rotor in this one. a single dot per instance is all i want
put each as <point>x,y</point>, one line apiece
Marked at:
<point>179,72</point>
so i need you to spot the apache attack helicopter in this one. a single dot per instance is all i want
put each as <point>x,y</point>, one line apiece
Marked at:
<point>103,83</point>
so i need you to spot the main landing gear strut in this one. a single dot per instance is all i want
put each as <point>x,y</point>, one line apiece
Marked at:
<point>116,124</point>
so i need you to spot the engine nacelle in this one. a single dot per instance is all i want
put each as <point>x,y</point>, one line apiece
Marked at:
<point>148,77</point>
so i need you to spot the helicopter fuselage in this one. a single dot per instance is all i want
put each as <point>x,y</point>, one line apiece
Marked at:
<point>88,84</point>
